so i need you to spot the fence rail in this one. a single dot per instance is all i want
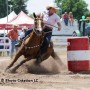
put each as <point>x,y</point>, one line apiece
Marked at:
<point>5,45</point>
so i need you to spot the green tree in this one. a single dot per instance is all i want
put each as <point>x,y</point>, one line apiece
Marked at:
<point>31,15</point>
<point>17,6</point>
<point>78,7</point>
<point>3,8</point>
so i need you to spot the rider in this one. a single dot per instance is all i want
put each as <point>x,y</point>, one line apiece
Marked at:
<point>49,23</point>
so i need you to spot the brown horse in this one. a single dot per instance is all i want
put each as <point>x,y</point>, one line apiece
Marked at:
<point>30,46</point>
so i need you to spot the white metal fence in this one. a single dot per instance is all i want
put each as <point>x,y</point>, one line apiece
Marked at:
<point>5,45</point>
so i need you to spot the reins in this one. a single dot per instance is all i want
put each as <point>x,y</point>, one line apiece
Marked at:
<point>51,25</point>
<point>38,34</point>
<point>31,47</point>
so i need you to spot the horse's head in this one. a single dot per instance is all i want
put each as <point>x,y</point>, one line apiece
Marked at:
<point>38,22</point>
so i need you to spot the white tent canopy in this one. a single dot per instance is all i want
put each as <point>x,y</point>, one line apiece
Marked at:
<point>10,17</point>
<point>22,18</point>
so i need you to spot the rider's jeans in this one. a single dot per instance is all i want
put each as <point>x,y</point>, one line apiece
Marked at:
<point>46,42</point>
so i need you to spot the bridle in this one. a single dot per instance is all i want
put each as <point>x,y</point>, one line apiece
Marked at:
<point>38,22</point>
<point>31,47</point>
<point>37,32</point>
<point>38,26</point>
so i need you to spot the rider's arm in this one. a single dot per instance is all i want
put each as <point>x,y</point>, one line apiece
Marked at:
<point>58,22</point>
<point>59,26</point>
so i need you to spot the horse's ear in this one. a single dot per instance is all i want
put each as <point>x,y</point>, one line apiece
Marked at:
<point>34,15</point>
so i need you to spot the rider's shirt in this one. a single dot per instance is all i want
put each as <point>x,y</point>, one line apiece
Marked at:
<point>50,21</point>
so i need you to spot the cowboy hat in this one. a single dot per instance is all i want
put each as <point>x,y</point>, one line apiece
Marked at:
<point>24,28</point>
<point>15,25</point>
<point>52,6</point>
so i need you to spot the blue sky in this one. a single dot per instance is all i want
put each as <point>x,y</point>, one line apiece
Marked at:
<point>38,6</point>
<point>88,2</point>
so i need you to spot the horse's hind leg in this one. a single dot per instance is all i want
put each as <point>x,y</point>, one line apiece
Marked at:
<point>58,60</point>
<point>56,57</point>
<point>18,65</point>
<point>14,60</point>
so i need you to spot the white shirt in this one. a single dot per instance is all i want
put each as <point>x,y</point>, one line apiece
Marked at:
<point>50,21</point>
<point>22,34</point>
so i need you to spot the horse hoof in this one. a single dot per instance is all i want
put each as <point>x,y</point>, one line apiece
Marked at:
<point>38,60</point>
<point>6,69</point>
<point>9,71</point>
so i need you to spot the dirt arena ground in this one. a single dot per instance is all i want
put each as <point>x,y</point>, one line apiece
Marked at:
<point>49,75</point>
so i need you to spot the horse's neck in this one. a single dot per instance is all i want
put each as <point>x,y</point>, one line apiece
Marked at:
<point>34,38</point>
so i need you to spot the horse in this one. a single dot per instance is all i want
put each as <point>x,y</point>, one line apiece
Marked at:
<point>30,46</point>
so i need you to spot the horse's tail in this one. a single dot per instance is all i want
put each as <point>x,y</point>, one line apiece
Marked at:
<point>58,59</point>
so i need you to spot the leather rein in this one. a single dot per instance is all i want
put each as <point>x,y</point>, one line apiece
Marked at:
<point>31,47</point>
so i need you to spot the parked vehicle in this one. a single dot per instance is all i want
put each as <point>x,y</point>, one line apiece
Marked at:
<point>84,28</point>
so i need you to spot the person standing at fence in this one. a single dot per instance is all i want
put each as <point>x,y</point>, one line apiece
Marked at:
<point>13,36</point>
<point>22,36</point>
<point>65,18</point>
<point>71,18</point>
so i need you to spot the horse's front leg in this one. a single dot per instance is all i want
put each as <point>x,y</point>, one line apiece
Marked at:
<point>14,60</point>
<point>19,64</point>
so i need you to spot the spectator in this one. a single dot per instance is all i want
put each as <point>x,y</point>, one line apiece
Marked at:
<point>22,36</point>
<point>13,36</point>
<point>65,17</point>
<point>71,18</point>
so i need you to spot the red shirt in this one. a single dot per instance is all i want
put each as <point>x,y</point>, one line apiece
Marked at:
<point>65,16</point>
<point>13,34</point>
<point>70,16</point>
